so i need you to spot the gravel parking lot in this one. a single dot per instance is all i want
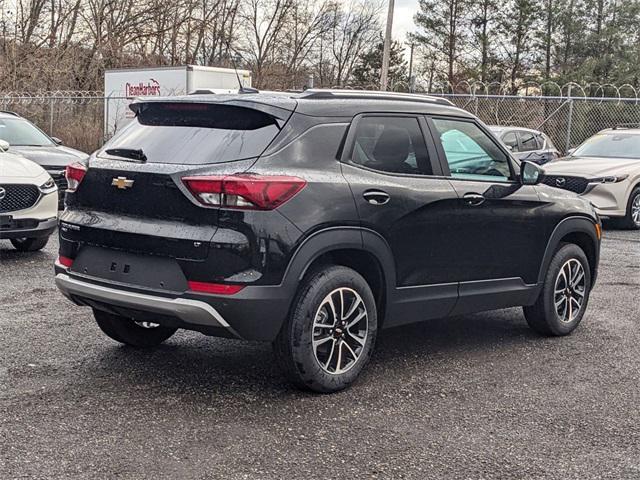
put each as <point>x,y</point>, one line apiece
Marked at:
<point>472,397</point>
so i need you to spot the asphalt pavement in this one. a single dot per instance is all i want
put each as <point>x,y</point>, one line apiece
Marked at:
<point>473,397</point>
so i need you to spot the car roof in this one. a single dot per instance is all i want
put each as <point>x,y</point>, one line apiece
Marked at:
<point>502,128</point>
<point>621,129</point>
<point>325,103</point>
<point>7,114</point>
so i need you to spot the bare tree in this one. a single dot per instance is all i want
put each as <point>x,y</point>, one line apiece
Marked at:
<point>354,28</point>
<point>264,21</point>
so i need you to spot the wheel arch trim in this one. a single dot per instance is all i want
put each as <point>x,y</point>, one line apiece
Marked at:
<point>341,238</point>
<point>570,225</point>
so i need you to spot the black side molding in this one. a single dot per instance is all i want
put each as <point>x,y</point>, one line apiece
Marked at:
<point>566,227</point>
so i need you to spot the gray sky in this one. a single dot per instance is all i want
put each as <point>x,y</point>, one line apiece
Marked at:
<point>403,18</point>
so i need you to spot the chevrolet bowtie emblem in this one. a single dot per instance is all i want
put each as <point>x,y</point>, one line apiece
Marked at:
<point>122,183</point>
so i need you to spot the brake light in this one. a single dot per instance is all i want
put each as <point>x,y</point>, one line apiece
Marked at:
<point>218,288</point>
<point>65,261</point>
<point>74,174</point>
<point>247,192</point>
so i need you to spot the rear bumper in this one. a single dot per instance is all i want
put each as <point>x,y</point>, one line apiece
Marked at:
<point>255,313</point>
<point>28,228</point>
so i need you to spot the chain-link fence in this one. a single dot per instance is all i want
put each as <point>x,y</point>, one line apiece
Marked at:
<point>84,120</point>
<point>567,121</point>
<point>76,117</point>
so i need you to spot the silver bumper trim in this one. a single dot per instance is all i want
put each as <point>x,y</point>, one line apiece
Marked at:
<point>189,311</point>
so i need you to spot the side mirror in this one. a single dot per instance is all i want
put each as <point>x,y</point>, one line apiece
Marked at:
<point>57,141</point>
<point>570,151</point>
<point>530,173</point>
<point>509,147</point>
<point>4,145</point>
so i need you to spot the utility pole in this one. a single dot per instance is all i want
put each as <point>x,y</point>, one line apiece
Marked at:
<point>411,86</point>
<point>384,77</point>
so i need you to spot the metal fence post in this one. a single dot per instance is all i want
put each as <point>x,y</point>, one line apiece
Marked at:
<point>105,130</point>
<point>51,116</point>
<point>569,124</point>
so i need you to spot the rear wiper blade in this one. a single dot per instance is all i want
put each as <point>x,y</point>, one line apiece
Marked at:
<point>131,153</point>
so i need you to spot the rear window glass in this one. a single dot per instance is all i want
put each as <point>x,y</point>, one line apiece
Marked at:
<point>194,133</point>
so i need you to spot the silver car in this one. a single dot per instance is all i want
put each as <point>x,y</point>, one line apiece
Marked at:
<point>29,141</point>
<point>527,144</point>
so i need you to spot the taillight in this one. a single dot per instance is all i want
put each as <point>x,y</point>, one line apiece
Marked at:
<point>74,174</point>
<point>65,261</point>
<point>247,192</point>
<point>217,288</point>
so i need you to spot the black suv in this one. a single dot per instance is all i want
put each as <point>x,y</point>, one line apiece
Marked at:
<point>314,220</point>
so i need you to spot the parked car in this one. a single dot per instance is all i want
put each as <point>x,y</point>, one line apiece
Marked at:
<point>313,221</point>
<point>605,170</point>
<point>49,152</point>
<point>527,144</point>
<point>28,202</point>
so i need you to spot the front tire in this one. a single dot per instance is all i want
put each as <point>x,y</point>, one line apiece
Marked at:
<point>29,244</point>
<point>135,334</point>
<point>565,294</point>
<point>632,219</point>
<point>331,330</point>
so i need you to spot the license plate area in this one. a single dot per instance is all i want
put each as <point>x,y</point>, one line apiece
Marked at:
<point>148,271</point>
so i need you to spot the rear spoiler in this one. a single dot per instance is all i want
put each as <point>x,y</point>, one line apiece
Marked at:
<point>279,107</point>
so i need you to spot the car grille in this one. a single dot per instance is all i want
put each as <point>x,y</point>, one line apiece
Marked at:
<point>573,184</point>
<point>18,197</point>
<point>61,182</point>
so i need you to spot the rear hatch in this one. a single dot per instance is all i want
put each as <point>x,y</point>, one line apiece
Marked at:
<point>132,198</point>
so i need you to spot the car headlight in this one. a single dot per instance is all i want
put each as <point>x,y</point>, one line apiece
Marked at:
<point>609,179</point>
<point>48,187</point>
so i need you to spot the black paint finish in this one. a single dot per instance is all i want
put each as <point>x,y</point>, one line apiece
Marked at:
<point>439,249</point>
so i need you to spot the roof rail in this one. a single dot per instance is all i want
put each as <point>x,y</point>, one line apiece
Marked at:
<point>8,112</point>
<point>626,125</point>
<point>321,93</point>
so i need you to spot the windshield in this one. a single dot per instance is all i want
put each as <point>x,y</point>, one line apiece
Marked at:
<point>20,133</point>
<point>618,145</point>
<point>192,133</point>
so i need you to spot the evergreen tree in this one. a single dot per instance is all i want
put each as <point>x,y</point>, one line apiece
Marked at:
<point>368,70</point>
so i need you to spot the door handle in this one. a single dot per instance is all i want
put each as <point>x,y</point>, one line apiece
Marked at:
<point>376,197</point>
<point>473,199</point>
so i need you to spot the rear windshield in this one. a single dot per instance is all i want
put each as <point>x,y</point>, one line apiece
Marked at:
<point>195,133</point>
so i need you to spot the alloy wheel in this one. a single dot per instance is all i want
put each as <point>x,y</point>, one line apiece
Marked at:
<point>340,329</point>
<point>570,290</point>
<point>635,209</point>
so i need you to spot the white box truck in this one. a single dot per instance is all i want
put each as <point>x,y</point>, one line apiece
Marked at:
<point>122,86</point>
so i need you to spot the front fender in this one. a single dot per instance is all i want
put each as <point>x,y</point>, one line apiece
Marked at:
<point>568,226</point>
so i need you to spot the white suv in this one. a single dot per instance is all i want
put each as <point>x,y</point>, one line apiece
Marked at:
<point>605,169</point>
<point>28,202</point>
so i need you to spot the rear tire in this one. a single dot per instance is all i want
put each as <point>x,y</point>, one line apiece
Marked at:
<point>631,221</point>
<point>127,331</point>
<point>331,330</point>
<point>565,294</point>
<point>29,244</point>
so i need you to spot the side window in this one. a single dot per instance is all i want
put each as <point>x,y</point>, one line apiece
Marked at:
<point>528,141</point>
<point>470,152</point>
<point>510,139</point>
<point>540,141</point>
<point>391,144</point>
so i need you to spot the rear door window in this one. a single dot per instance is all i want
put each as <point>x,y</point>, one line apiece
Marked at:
<point>510,139</point>
<point>196,133</point>
<point>391,144</point>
